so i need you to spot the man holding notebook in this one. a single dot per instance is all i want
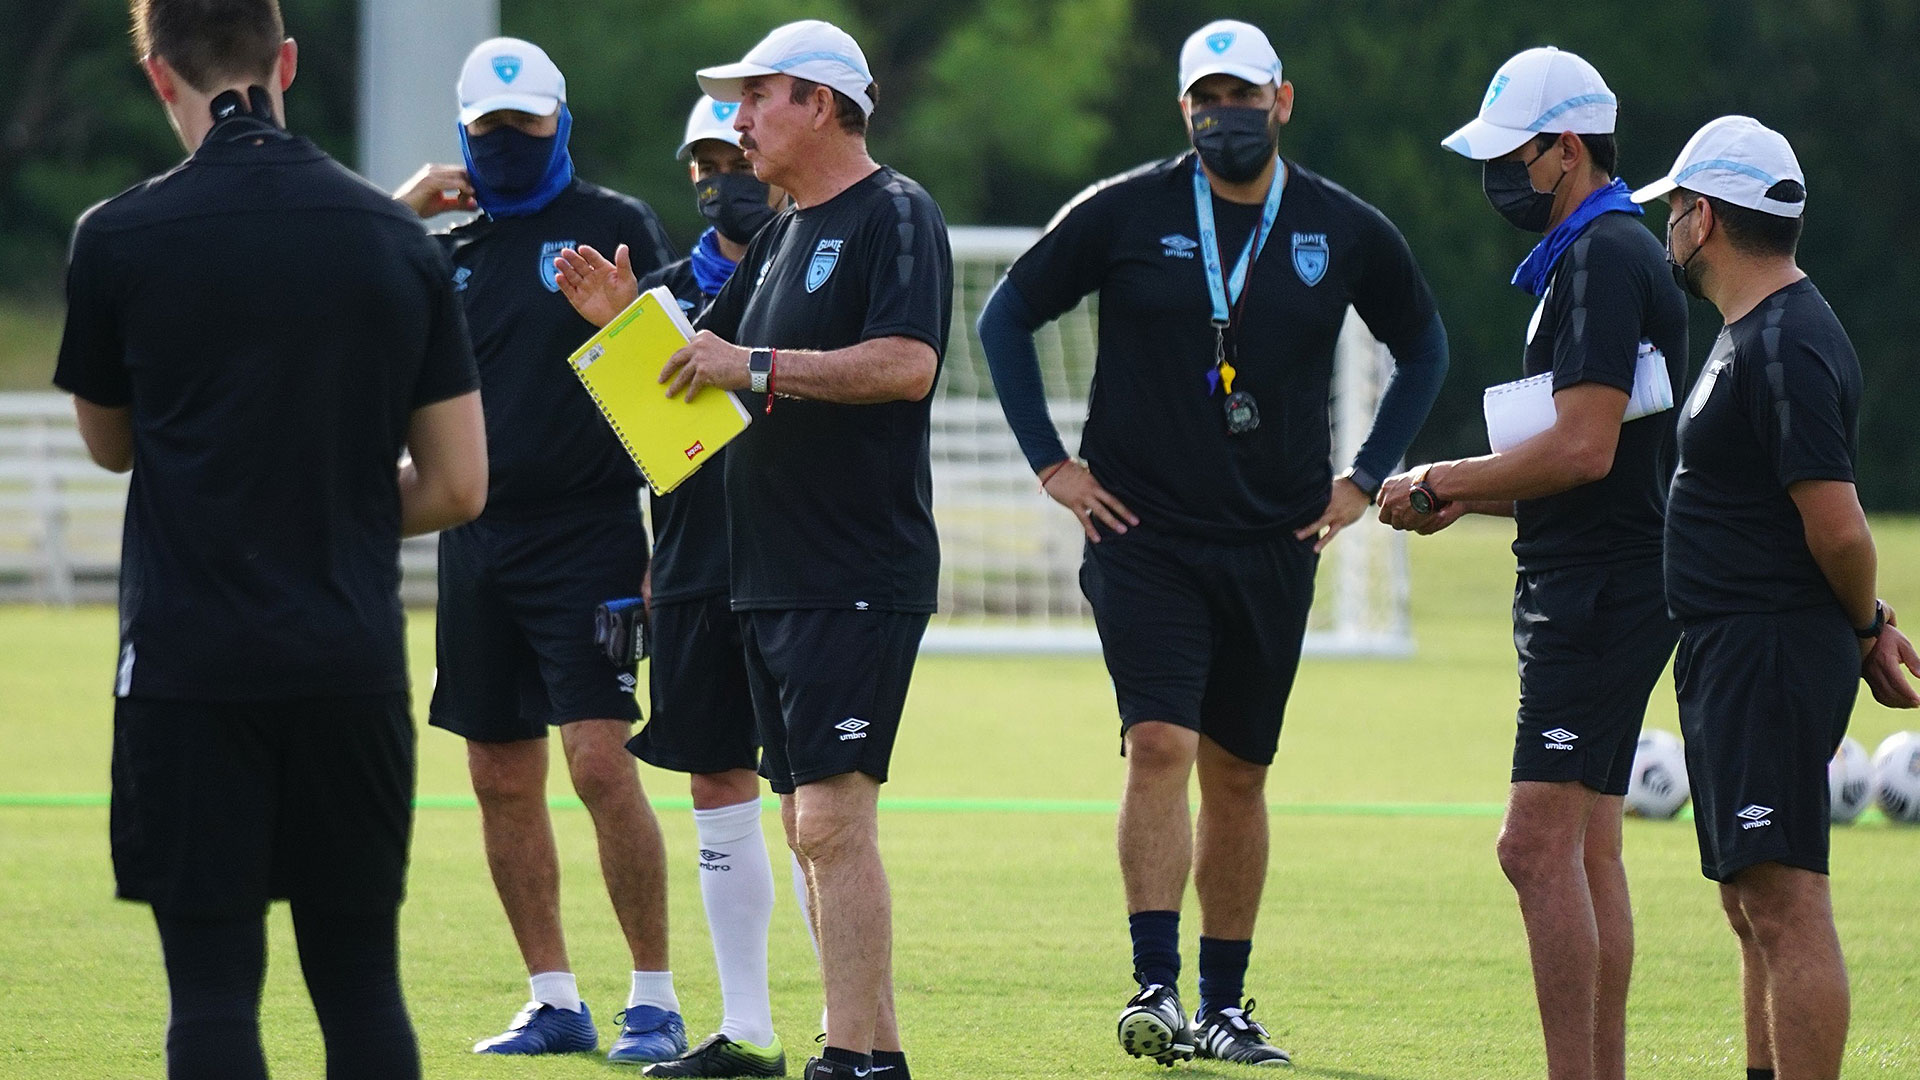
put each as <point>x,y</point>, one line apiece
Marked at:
<point>832,327</point>
<point>1589,495</point>
<point>561,534</point>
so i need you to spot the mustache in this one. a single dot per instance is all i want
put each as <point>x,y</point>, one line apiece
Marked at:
<point>747,143</point>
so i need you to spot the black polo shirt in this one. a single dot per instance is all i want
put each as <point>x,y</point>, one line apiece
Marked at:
<point>548,447</point>
<point>831,506</point>
<point>1777,403</point>
<point>689,522</point>
<point>1610,291</point>
<point>1155,436</point>
<point>272,321</point>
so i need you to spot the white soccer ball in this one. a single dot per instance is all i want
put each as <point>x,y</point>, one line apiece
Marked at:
<point>1849,780</point>
<point>1657,787</point>
<point>1896,776</point>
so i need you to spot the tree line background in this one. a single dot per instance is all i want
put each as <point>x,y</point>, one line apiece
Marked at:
<point>1005,108</point>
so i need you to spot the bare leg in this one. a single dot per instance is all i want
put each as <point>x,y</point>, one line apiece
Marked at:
<point>1613,920</point>
<point>633,858</point>
<point>1230,848</point>
<point>510,782</point>
<point>1791,913</point>
<point>1753,983</point>
<point>836,832</point>
<point>1155,828</point>
<point>1541,847</point>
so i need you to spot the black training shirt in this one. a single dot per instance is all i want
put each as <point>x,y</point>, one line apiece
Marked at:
<point>1777,403</point>
<point>832,505</point>
<point>272,321</point>
<point>689,522</point>
<point>548,447</point>
<point>1155,436</point>
<point>1610,291</point>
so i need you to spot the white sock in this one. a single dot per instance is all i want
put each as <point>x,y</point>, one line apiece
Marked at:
<point>653,988</point>
<point>556,988</point>
<point>736,885</point>
<point>806,900</point>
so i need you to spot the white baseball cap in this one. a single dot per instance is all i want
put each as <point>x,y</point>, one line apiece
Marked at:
<point>1736,158</point>
<point>508,73</point>
<point>1539,91</point>
<point>1228,47</point>
<point>710,119</point>
<point>809,49</point>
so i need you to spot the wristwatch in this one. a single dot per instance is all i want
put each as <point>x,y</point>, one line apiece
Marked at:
<point>1421,498</point>
<point>1368,485</point>
<point>1878,624</point>
<point>759,370</point>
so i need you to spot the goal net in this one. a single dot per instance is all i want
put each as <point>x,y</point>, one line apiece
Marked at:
<point>1010,557</point>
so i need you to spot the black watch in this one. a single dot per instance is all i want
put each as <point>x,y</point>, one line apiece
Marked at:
<point>759,370</point>
<point>1879,622</point>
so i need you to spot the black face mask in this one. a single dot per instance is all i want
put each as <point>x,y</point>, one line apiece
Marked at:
<point>1688,282</point>
<point>510,161</point>
<point>735,203</point>
<point>1511,192</point>
<point>1235,141</point>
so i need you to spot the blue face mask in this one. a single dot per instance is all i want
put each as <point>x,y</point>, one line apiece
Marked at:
<point>514,173</point>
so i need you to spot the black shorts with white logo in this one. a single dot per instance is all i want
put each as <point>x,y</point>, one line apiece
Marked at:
<point>1201,633</point>
<point>702,719</point>
<point>829,686</point>
<point>515,630</point>
<point>1764,703</point>
<point>1592,641</point>
<point>220,807</point>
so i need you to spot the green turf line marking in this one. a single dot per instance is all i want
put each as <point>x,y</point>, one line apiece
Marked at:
<point>942,806</point>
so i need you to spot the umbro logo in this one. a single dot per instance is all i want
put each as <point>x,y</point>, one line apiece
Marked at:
<point>628,682</point>
<point>1559,739</point>
<point>852,728</point>
<point>1756,816</point>
<point>710,860</point>
<point>1175,246</point>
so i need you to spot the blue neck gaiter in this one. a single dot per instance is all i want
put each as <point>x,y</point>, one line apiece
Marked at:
<point>515,174</point>
<point>1537,269</point>
<point>710,268</point>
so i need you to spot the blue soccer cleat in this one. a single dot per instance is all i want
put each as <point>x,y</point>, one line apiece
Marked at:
<point>544,1029</point>
<point>648,1034</point>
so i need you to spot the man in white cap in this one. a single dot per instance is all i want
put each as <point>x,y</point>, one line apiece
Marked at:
<point>1770,569</point>
<point>562,533</point>
<point>1588,494</point>
<point>702,721</point>
<point>1218,301</point>
<point>842,306</point>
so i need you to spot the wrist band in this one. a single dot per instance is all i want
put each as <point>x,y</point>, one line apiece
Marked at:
<point>773,368</point>
<point>1047,473</point>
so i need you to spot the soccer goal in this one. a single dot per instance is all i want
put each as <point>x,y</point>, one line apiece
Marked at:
<point>1010,557</point>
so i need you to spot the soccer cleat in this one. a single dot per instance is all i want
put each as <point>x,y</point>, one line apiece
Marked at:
<point>544,1029</point>
<point>1153,1025</point>
<point>1230,1034</point>
<point>718,1055</point>
<point>649,1034</point>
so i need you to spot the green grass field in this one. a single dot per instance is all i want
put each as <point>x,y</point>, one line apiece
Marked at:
<point>1390,947</point>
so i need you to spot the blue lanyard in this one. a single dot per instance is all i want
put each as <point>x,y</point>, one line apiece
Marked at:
<point>1226,293</point>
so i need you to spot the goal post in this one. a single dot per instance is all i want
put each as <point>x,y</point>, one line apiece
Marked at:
<point>1010,558</point>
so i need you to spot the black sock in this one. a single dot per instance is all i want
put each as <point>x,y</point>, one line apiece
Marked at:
<point>214,971</point>
<point>1156,947</point>
<point>895,1061</point>
<point>351,961</point>
<point>1759,1074</point>
<point>1223,972</point>
<point>860,1063</point>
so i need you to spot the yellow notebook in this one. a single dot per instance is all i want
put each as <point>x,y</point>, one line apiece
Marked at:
<point>620,366</point>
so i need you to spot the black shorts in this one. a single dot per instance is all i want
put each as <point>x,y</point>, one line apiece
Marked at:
<point>1764,703</point>
<point>828,687</point>
<point>515,631</point>
<point>702,718</point>
<point>1202,634</point>
<point>1593,641</point>
<point>220,807</point>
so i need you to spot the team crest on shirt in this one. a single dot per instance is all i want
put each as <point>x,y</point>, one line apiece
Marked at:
<point>1311,256</point>
<point>548,252</point>
<point>825,257</point>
